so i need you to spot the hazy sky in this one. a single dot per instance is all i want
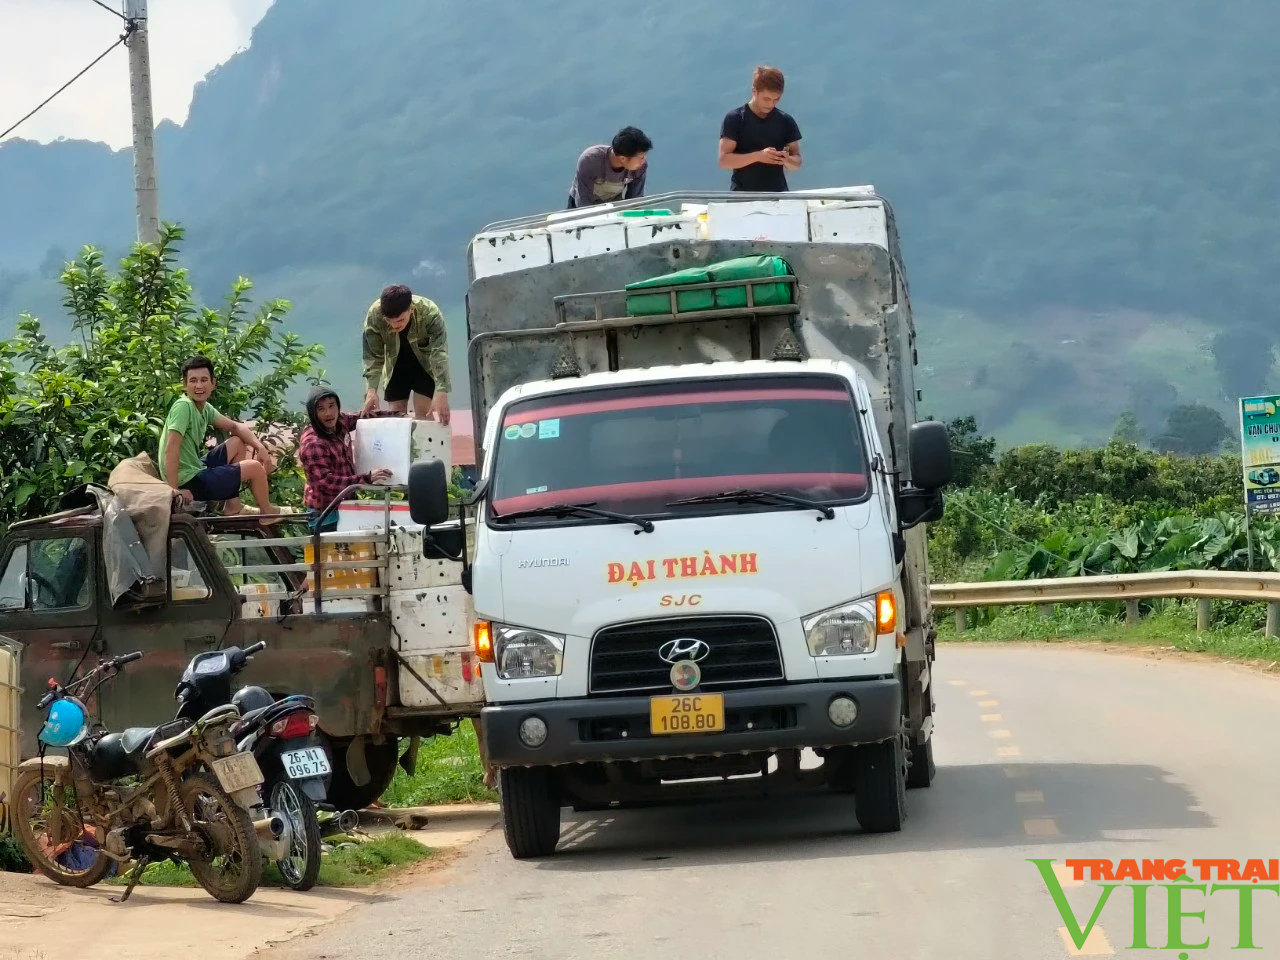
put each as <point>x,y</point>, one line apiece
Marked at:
<point>43,43</point>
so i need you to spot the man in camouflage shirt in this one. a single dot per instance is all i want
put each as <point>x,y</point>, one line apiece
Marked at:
<point>406,351</point>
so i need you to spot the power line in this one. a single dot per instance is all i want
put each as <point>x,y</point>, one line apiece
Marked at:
<point>123,37</point>
<point>109,10</point>
<point>1023,540</point>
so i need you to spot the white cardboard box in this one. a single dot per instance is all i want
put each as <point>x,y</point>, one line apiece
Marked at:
<point>505,252</point>
<point>433,635</point>
<point>782,221</point>
<point>395,443</point>
<point>370,514</point>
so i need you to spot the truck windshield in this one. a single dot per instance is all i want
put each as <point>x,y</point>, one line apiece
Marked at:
<point>639,447</point>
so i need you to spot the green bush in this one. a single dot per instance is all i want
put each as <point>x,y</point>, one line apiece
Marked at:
<point>69,415</point>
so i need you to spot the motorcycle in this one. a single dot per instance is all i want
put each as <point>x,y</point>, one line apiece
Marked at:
<point>180,791</point>
<point>281,736</point>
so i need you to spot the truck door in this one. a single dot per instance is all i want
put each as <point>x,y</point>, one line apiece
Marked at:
<point>49,603</point>
<point>194,618</point>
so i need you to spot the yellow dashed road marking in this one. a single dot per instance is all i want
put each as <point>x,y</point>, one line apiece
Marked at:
<point>1028,796</point>
<point>957,683</point>
<point>999,734</point>
<point>978,693</point>
<point>1009,752</point>
<point>1067,877</point>
<point>1095,945</point>
<point>1040,827</point>
<point>991,717</point>
<point>988,703</point>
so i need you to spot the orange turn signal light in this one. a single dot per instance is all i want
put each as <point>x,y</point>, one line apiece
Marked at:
<point>483,640</point>
<point>886,612</point>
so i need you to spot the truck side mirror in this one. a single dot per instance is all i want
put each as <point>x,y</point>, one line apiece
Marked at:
<point>428,493</point>
<point>930,450</point>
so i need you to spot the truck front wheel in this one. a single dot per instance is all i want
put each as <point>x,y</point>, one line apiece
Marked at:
<point>880,785</point>
<point>530,811</point>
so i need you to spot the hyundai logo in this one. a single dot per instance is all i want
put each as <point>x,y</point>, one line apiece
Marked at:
<point>684,648</point>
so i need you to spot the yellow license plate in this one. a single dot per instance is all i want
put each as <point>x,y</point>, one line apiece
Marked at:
<point>237,772</point>
<point>692,713</point>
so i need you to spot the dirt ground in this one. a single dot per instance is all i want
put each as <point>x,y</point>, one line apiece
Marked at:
<point>42,921</point>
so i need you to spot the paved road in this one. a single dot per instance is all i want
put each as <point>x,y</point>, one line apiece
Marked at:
<point>1041,752</point>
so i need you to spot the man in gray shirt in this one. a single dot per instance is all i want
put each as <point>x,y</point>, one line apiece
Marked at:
<point>612,171</point>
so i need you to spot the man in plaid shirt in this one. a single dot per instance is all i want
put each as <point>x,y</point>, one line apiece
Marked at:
<point>326,455</point>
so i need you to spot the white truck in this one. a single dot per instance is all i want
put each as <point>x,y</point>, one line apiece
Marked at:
<point>698,542</point>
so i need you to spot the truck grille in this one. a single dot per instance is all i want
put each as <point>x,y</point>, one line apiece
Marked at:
<point>624,658</point>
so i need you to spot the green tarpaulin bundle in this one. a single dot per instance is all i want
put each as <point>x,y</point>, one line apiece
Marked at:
<point>722,298</point>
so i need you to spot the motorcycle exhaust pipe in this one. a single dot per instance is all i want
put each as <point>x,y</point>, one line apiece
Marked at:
<point>342,822</point>
<point>269,828</point>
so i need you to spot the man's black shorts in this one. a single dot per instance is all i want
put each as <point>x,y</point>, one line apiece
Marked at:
<point>408,377</point>
<point>219,480</point>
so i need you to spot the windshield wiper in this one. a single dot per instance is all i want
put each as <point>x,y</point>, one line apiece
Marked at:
<point>581,509</point>
<point>758,496</point>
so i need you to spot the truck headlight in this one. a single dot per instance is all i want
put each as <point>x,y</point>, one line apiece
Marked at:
<point>842,631</point>
<point>520,653</point>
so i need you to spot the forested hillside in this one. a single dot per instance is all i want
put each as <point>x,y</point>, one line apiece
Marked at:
<point>1054,167</point>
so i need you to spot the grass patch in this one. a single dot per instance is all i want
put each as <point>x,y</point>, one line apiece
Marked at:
<point>12,859</point>
<point>1235,630</point>
<point>357,865</point>
<point>448,771</point>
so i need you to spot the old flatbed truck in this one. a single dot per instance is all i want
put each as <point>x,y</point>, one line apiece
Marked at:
<point>395,663</point>
<point>698,543</point>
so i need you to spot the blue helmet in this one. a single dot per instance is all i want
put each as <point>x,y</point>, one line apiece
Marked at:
<point>66,725</point>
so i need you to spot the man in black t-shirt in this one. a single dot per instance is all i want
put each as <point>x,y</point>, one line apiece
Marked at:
<point>758,141</point>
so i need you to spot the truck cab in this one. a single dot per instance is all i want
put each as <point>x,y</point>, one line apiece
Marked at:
<point>698,547</point>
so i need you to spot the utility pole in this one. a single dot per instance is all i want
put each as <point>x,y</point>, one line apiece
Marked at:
<point>144,147</point>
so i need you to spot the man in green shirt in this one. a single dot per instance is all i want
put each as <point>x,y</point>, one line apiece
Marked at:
<point>406,351</point>
<point>218,474</point>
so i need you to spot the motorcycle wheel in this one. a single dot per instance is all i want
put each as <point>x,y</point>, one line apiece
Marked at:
<point>42,822</point>
<point>301,868</point>
<point>234,866</point>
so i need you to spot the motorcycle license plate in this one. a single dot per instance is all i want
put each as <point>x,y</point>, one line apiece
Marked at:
<point>237,772</point>
<point>309,762</point>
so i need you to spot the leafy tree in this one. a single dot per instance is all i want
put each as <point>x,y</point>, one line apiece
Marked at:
<point>1128,430</point>
<point>971,451</point>
<point>1243,358</point>
<point>1194,430</point>
<point>69,415</point>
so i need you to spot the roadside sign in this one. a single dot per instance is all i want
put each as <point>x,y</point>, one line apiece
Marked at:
<point>1260,452</point>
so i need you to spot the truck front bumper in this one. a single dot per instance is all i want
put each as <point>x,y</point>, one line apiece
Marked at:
<point>780,717</point>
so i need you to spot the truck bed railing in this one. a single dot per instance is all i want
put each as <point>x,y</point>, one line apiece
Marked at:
<point>600,302</point>
<point>317,540</point>
<point>318,565</point>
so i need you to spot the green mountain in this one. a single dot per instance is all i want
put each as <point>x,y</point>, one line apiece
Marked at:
<point>1099,176</point>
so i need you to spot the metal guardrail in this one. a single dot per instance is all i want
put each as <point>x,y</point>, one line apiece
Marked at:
<point>1204,586</point>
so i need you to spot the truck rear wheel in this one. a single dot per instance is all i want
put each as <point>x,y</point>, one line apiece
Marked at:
<point>880,791</point>
<point>344,792</point>
<point>530,811</point>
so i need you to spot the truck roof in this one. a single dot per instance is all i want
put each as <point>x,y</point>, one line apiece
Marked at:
<point>685,371</point>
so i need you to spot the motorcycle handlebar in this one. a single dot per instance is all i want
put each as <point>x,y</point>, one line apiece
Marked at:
<point>254,648</point>
<point>128,658</point>
<point>46,700</point>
